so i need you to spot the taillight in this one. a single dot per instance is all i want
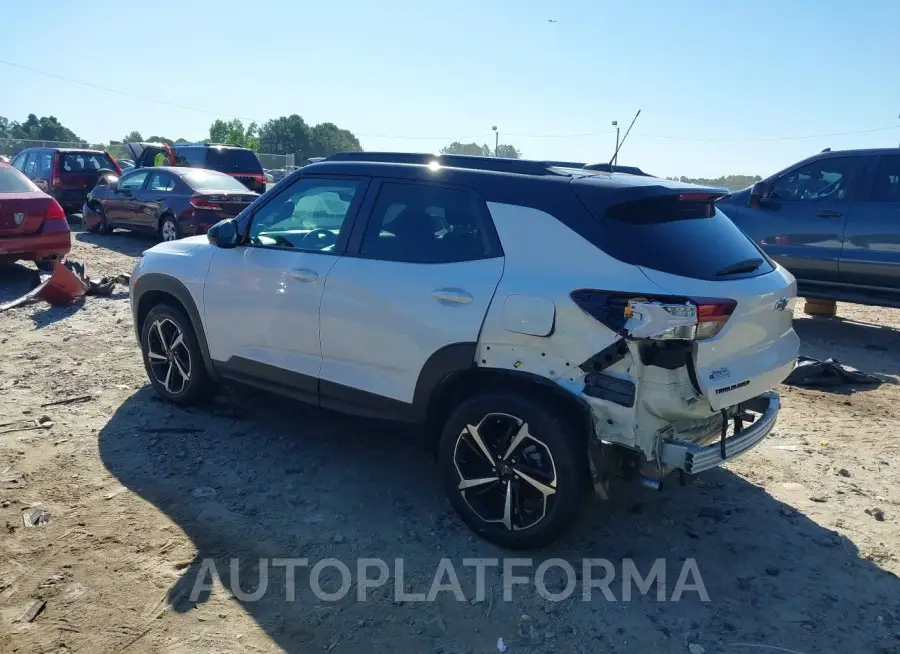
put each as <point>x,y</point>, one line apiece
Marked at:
<point>656,317</point>
<point>712,314</point>
<point>198,202</point>
<point>54,219</point>
<point>56,180</point>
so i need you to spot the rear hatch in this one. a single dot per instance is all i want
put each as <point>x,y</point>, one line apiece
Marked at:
<point>686,246</point>
<point>240,163</point>
<point>76,173</point>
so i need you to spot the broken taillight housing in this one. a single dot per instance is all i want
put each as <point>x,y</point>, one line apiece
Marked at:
<point>656,317</point>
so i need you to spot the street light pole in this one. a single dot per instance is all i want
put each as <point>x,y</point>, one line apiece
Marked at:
<point>615,124</point>
<point>496,140</point>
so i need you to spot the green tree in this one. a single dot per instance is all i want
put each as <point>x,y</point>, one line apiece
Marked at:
<point>472,149</point>
<point>285,135</point>
<point>508,151</point>
<point>160,139</point>
<point>218,131</point>
<point>327,138</point>
<point>46,128</point>
<point>133,137</point>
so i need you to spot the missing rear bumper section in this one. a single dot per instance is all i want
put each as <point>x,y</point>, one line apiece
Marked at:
<point>694,458</point>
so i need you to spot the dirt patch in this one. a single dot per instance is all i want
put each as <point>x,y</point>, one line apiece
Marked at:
<point>797,542</point>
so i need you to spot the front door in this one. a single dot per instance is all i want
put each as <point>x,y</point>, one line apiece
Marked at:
<point>262,298</point>
<point>801,225</point>
<point>423,278</point>
<point>871,255</point>
<point>122,207</point>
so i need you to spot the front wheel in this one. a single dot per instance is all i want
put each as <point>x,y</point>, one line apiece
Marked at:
<point>514,470</point>
<point>172,356</point>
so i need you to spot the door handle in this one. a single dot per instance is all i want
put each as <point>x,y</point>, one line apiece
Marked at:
<point>829,213</point>
<point>303,274</point>
<point>452,295</point>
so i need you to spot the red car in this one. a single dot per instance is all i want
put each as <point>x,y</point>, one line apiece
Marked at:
<point>33,225</point>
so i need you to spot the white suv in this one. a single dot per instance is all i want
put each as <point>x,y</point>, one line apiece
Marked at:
<point>550,328</point>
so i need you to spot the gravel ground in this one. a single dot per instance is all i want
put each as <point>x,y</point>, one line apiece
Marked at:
<point>797,542</point>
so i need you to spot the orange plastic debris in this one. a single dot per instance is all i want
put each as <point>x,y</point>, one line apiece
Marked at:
<point>63,287</point>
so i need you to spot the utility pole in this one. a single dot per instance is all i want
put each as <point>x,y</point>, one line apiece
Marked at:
<point>615,124</point>
<point>496,140</point>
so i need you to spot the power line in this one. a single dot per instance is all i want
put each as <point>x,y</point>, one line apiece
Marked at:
<point>699,139</point>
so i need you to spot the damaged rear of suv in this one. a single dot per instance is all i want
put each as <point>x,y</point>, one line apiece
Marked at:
<point>553,328</point>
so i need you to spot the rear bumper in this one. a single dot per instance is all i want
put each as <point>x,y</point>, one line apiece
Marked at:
<point>34,247</point>
<point>693,458</point>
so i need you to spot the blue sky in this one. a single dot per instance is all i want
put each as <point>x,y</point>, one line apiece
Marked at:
<point>722,75</point>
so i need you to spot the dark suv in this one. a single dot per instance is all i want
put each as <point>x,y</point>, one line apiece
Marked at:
<point>67,174</point>
<point>833,220</point>
<point>240,163</point>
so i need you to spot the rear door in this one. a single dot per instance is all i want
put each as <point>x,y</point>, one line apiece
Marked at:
<point>871,254</point>
<point>418,278</point>
<point>802,224</point>
<point>152,200</point>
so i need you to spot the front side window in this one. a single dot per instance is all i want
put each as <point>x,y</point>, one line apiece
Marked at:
<point>308,215</point>
<point>133,182</point>
<point>425,223</point>
<point>887,180</point>
<point>825,179</point>
<point>19,162</point>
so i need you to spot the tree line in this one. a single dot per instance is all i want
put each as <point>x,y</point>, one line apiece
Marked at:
<point>731,182</point>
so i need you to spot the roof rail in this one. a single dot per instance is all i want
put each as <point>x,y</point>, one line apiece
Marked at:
<point>496,164</point>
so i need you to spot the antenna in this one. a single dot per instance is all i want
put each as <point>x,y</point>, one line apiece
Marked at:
<point>619,147</point>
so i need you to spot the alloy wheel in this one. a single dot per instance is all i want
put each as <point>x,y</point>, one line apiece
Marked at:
<point>506,475</point>
<point>169,231</point>
<point>169,356</point>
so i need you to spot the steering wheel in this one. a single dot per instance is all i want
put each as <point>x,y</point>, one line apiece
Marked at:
<point>318,239</point>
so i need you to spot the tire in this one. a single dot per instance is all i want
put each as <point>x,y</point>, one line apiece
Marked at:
<point>539,515</point>
<point>166,365</point>
<point>169,229</point>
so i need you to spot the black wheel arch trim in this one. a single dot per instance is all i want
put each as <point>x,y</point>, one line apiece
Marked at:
<point>161,283</point>
<point>438,368</point>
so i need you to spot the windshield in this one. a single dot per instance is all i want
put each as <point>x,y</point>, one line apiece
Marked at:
<point>230,160</point>
<point>210,180</point>
<point>84,162</point>
<point>12,181</point>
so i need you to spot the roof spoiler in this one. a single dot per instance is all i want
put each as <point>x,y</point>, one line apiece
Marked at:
<point>609,168</point>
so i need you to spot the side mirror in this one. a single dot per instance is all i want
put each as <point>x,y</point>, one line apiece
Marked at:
<point>224,234</point>
<point>759,193</point>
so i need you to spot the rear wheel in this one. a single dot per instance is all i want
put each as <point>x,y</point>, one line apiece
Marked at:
<point>169,229</point>
<point>172,356</point>
<point>513,469</point>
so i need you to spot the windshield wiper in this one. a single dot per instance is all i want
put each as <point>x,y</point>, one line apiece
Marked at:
<point>745,266</point>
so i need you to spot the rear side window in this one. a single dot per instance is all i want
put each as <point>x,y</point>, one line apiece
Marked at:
<point>887,180</point>
<point>689,239</point>
<point>213,181</point>
<point>192,157</point>
<point>12,181</point>
<point>84,162</point>
<point>229,160</point>
<point>424,223</point>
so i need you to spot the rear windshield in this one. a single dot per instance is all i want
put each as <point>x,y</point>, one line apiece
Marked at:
<point>12,181</point>
<point>84,162</point>
<point>203,180</point>
<point>689,239</point>
<point>232,161</point>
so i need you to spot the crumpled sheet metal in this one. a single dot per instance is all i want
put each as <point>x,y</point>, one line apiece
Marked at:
<point>66,284</point>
